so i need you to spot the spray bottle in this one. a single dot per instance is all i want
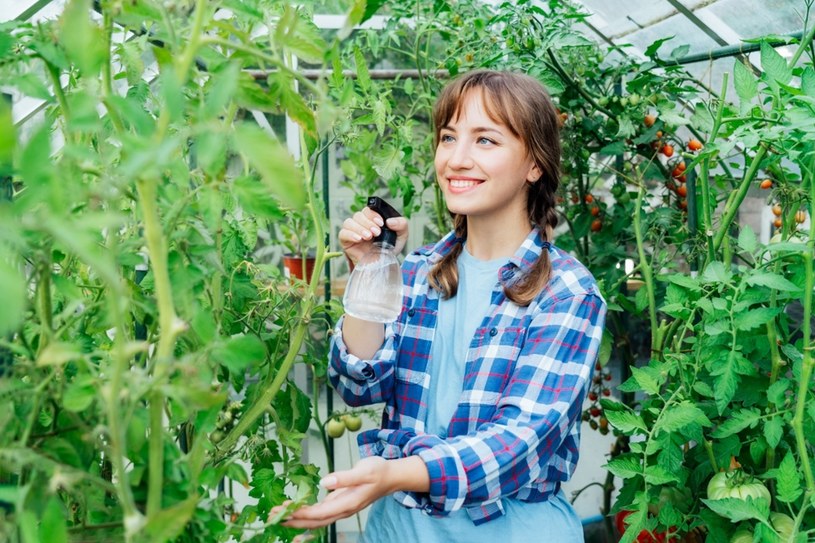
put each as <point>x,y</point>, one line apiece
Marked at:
<point>374,290</point>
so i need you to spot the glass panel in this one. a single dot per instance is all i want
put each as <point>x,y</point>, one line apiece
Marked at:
<point>684,30</point>
<point>618,18</point>
<point>753,18</point>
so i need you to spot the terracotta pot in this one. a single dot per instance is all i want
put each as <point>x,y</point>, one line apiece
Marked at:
<point>293,267</point>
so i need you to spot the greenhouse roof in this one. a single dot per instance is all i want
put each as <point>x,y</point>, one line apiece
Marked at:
<point>698,29</point>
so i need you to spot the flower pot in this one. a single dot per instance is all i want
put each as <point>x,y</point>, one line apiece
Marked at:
<point>293,267</point>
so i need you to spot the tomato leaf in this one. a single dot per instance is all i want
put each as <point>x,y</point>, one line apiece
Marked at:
<point>774,431</point>
<point>737,509</point>
<point>745,82</point>
<point>774,64</point>
<point>788,478</point>
<point>626,421</point>
<point>274,164</point>
<point>658,475</point>
<point>737,422</point>
<point>808,81</point>
<point>647,378</point>
<point>679,416</point>
<point>773,281</point>
<point>387,161</point>
<point>754,318</point>
<point>625,466</point>
<point>239,352</point>
<point>716,273</point>
<point>363,76</point>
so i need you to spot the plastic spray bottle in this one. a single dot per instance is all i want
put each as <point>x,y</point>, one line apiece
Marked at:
<point>374,290</point>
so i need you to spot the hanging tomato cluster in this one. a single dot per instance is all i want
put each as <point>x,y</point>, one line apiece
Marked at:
<point>600,387</point>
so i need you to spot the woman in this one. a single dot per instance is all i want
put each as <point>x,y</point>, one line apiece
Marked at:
<point>485,371</point>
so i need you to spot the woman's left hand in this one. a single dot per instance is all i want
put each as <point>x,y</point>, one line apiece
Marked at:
<point>352,491</point>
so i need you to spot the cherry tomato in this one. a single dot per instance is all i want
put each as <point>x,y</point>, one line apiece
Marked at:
<point>335,428</point>
<point>694,144</point>
<point>596,225</point>
<point>667,150</point>
<point>352,422</point>
<point>766,184</point>
<point>777,210</point>
<point>649,120</point>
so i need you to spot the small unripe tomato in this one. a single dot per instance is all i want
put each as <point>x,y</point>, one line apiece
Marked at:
<point>335,428</point>
<point>352,422</point>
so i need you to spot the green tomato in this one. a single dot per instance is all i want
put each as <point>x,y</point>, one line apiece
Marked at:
<point>352,422</point>
<point>335,428</point>
<point>782,524</point>
<point>736,484</point>
<point>742,535</point>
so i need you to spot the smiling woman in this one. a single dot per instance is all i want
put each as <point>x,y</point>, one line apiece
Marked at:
<point>484,372</point>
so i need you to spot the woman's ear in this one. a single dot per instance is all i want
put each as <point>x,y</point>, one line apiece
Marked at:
<point>534,174</point>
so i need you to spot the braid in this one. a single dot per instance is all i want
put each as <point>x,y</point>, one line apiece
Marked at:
<point>444,275</point>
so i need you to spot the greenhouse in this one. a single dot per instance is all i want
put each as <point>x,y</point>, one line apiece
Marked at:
<point>381,271</point>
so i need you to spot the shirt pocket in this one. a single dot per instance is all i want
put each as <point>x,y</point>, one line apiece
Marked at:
<point>491,364</point>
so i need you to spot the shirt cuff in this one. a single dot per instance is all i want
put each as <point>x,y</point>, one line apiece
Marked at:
<point>448,479</point>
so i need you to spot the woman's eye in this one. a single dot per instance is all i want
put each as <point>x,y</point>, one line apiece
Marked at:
<point>446,138</point>
<point>483,141</point>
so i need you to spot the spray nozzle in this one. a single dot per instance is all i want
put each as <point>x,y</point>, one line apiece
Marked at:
<point>386,211</point>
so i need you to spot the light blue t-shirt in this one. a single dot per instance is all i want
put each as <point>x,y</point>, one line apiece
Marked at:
<point>457,321</point>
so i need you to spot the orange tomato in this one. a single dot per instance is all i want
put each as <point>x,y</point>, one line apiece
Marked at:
<point>667,150</point>
<point>694,144</point>
<point>649,120</point>
<point>766,184</point>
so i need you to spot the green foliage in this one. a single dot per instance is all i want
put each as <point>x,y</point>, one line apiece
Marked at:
<point>144,350</point>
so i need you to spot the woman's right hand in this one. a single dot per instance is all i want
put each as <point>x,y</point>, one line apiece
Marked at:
<point>357,233</point>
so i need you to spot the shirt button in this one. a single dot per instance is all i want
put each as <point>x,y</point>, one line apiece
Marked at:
<point>493,332</point>
<point>411,312</point>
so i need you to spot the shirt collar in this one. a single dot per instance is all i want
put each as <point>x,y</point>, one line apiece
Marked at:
<point>526,255</point>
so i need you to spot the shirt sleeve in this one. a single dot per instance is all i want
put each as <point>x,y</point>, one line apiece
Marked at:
<point>362,382</point>
<point>535,414</point>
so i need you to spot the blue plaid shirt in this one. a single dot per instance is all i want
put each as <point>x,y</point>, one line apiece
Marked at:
<point>516,430</point>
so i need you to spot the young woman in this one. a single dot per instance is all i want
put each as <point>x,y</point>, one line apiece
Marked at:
<point>485,371</point>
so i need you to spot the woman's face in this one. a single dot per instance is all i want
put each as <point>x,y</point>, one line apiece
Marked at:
<point>481,167</point>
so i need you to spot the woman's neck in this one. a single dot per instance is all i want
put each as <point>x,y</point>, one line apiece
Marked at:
<point>487,240</point>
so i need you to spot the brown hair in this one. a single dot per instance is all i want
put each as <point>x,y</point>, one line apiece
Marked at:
<point>522,104</point>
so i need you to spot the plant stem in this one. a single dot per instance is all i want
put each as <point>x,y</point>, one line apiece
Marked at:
<point>167,319</point>
<point>733,205</point>
<point>44,306</point>
<point>647,273</point>
<point>808,362</point>
<point>704,177</point>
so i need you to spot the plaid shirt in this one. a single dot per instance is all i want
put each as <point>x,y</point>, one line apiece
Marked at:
<point>516,429</point>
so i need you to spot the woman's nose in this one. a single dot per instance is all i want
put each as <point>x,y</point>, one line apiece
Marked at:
<point>460,156</point>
